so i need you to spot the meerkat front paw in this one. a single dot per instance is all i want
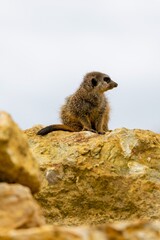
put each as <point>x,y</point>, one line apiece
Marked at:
<point>89,129</point>
<point>101,132</point>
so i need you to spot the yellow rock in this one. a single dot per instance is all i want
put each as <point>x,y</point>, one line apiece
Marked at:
<point>17,163</point>
<point>92,179</point>
<point>119,231</point>
<point>18,209</point>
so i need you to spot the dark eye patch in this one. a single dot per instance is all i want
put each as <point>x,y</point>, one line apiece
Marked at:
<point>94,82</point>
<point>107,79</point>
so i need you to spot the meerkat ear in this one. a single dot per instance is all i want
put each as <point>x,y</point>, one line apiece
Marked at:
<point>94,82</point>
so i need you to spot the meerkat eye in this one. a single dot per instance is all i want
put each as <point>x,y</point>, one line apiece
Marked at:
<point>107,79</point>
<point>94,82</point>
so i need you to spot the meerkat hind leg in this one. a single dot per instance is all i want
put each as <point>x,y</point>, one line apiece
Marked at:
<point>99,124</point>
<point>87,124</point>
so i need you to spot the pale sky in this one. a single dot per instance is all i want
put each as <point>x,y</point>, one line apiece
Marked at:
<point>46,47</point>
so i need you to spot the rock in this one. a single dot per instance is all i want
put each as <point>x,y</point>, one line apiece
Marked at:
<point>93,179</point>
<point>17,163</point>
<point>18,209</point>
<point>118,231</point>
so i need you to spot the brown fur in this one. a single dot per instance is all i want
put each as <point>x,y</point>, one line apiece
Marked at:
<point>88,108</point>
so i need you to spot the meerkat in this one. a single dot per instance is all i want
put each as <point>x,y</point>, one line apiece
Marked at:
<point>88,108</point>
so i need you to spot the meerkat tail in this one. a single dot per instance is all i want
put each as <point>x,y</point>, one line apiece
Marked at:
<point>54,127</point>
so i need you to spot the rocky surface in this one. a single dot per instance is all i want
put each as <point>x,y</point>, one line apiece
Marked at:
<point>18,209</point>
<point>93,179</point>
<point>17,163</point>
<point>86,179</point>
<point>119,231</point>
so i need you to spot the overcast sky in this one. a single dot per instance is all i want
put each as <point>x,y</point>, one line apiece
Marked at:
<point>47,46</point>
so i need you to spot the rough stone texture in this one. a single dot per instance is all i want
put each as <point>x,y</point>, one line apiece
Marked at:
<point>90,178</point>
<point>119,231</point>
<point>17,163</point>
<point>18,209</point>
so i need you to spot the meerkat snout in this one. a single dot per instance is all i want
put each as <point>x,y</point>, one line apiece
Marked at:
<point>113,84</point>
<point>109,81</point>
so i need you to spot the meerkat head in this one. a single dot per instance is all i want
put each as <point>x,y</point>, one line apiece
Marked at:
<point>99,82</point>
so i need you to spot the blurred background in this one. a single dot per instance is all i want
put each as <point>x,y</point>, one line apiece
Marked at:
<point>47,46</point>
